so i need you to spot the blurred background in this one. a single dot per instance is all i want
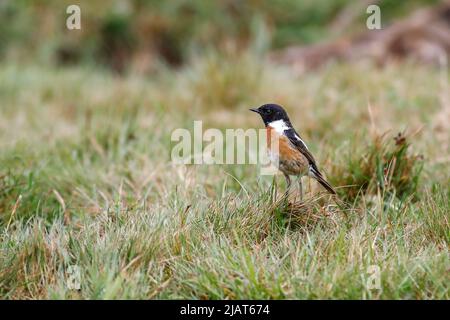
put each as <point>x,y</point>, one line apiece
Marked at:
<point>140,36</point>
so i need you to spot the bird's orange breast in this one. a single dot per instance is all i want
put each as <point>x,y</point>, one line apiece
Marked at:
<point>285,148</point>
<point>291,160</point>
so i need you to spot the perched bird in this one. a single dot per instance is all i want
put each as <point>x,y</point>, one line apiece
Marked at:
<point>293,156</point>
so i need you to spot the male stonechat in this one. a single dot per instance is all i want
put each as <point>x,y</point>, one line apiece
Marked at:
<point>293,156</point>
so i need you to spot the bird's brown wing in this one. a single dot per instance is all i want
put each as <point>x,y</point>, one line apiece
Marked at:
<point>297,142</point>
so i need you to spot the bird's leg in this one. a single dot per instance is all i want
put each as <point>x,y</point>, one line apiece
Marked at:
<point>300,187</point>
<point>288,182</point>
<point>309,187</point>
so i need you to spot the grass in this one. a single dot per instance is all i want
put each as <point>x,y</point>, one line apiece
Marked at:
<point>86,180</point>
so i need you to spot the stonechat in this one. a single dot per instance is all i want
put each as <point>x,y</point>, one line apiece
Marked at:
<point>293,157</point>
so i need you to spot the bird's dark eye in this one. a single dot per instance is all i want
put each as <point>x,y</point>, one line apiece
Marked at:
<point>268,111</point>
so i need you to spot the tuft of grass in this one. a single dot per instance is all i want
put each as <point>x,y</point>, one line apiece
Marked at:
<point>386,165</point>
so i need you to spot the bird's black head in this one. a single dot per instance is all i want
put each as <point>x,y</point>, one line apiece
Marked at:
<point>272,112</point>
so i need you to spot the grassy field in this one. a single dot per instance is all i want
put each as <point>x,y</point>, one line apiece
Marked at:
<point>86,181</point>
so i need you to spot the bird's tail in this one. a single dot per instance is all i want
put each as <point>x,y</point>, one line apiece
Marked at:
<point>318,176</point>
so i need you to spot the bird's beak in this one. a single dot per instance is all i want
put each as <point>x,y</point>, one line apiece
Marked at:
<point>254,110</point>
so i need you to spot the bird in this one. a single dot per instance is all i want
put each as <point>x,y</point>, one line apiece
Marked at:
<point>293,156</point>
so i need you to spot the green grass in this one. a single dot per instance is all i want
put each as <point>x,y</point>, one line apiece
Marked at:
<point>86,180</point>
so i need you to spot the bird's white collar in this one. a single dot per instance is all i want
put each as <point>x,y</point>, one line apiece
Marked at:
<point>279,126</point>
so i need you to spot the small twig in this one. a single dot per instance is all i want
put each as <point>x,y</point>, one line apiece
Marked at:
<point>16,205</point>
<point>159,288</point>
<point>60,200</point>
